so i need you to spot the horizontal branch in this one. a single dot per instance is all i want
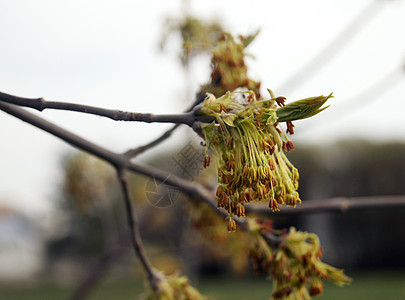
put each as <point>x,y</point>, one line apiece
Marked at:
<point>340,204</point>
<point>193,189</point>
<point>41,104</point>
<point>119,161</point>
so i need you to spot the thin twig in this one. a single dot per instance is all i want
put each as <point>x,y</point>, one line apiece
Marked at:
<point>340,204</point>
<point>154,277</point>
<point>41,104</point>
<point>136,151</point>
<point>119,161</point>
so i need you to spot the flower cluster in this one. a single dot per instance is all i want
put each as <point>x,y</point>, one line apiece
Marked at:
<point>295,265</point>
<point>174,287</point>
<point>249,144</point>
<point>228,68</point>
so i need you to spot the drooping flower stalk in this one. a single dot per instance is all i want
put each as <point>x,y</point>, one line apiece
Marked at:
<point>295,265</point>
<point>249,144</point>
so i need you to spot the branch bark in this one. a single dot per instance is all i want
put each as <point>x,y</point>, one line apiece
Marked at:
<point>192,189</point>
<point>339,205</point>
<point>41,104</point>
<point>139,150</point>
<point>119,161</point>
<point>153,276</point>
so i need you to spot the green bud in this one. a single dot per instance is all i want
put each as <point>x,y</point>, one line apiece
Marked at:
<point>302,109</point>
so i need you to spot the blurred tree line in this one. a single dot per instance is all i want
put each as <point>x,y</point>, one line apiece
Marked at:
<point>356,168</point>
<point>95,217</point>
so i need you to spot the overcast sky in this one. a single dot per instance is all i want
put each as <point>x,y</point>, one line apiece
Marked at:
<point>105,53</point>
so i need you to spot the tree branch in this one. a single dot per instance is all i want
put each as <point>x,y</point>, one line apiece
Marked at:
<point>138,150</point>
<point>193,189</point>
<point>119,161</point>
<point>41,104</point>
<point>153,276</point>
<point>340,204</point>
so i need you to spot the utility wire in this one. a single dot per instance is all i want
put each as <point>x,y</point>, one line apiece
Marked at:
<point>332,49</point>
<point>358,101</point>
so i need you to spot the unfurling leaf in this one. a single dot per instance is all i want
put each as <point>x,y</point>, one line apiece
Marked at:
<point>302,109</point>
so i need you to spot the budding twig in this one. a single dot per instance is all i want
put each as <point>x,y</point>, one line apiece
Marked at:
<point>41,104</point>
<point>153,276</point>
<point>119,161</point>
<point>139,150</point>
<point>193,189</point>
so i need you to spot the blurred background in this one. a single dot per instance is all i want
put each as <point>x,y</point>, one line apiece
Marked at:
<point>61,211</point>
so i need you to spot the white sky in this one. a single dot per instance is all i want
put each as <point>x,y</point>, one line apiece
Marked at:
<point>104,53</point>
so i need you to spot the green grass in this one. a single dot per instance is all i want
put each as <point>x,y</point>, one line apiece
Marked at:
<point>370,286</point>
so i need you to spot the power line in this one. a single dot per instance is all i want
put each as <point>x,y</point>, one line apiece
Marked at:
<point>360,100</point>
<point>332,49</point>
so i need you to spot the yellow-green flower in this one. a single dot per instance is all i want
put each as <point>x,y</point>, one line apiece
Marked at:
<point>249,144</point>
<point>294,264</point>
<point>173,287</point>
